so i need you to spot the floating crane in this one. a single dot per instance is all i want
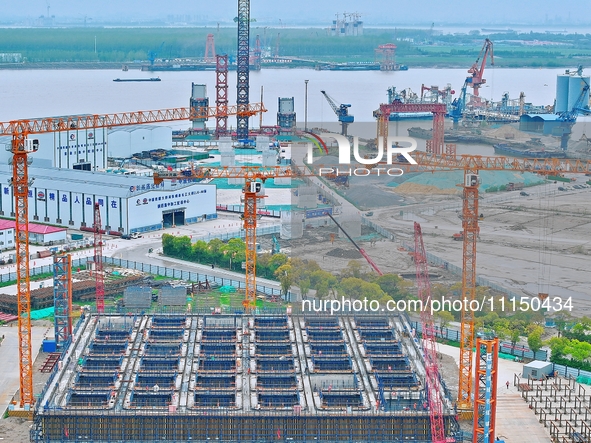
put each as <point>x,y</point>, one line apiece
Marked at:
<point>478,71</point>
<point>360,249</point>
<point>342,112</point>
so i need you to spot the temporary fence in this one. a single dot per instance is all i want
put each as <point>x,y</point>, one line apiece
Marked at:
<point>521,351</point>
<point>480,281</point>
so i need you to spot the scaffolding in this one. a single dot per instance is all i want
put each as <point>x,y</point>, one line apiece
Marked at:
<point>62,299</point>
<point>239,378</point>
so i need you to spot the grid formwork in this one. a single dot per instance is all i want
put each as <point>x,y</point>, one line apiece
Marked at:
<point>237,378</point>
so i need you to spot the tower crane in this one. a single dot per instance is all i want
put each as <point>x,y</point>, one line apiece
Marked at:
<point>472,164</point>
<point>255,177</point>
<point>478,71</point>
<point>21,146</point>
<point>433,385</point>
<point>342,112</point>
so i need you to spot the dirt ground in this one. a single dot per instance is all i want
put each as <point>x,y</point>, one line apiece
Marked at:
<point>16,430</point>
<point>528,244</point>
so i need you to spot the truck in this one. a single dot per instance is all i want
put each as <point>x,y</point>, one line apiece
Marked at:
<point>458,236</point>
<point>514,186</point>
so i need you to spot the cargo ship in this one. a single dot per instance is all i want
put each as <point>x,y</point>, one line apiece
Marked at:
<point>151,79</point>
<point>504,149</point>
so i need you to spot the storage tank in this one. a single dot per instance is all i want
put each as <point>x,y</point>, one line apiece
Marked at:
<point>575,88</point>
<point>562,84</point>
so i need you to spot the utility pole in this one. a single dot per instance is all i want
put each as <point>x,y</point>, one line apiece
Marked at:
<point>306,107</point>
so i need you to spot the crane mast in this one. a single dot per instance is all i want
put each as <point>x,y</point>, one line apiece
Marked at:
<point>21,147</point>
<point>433,385</point>
<point>99,277</point>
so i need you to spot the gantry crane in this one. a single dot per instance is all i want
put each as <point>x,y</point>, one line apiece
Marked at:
<point>342,112</point>
<point>21,147</point>
<point>476,80</point>
<point>433,385</point>
<point>436,145</point>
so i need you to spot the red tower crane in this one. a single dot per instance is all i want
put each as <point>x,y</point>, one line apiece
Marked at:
<point>433,385</point>
<point>99,277</point>
<point>478,71</point>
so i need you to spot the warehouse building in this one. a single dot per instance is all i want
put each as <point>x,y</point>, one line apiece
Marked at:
<point>66,197</point>
<point>88,149</point>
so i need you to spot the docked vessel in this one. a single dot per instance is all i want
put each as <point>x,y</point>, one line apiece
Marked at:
<point>504,149</point>
<point>151,79</point>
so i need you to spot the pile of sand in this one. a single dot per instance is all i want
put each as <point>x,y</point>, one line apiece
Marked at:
<point>344,253</point>
<point>509,133</point>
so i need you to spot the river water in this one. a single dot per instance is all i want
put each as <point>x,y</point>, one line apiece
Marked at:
<point>42,93</point>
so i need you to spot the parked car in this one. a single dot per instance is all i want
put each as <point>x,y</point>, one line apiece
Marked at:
<point>560,188</point>
<point>525,194</point>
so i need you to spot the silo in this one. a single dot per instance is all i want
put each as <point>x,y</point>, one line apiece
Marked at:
<point>562,85</point>
<point>575,88</point>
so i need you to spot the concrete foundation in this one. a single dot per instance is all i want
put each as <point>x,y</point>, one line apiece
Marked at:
<point>179,377</point>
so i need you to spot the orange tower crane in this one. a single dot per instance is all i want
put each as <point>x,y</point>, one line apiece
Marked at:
<point>21,147</point>
<point>254,176</point>
<point>472,164</point>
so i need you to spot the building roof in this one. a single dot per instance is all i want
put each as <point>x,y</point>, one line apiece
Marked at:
<point>6,224</point>
<point>538,364</point>
<point>34,228</point>
<point>90,182</point>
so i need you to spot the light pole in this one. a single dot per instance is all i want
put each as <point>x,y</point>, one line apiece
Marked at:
<point>306,107</point>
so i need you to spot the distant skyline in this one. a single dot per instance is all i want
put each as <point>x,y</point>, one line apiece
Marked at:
<point>272,12</point>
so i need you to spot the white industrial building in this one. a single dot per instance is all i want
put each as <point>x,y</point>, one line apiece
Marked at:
<point>88,149</point>
<point>66,197</point>
<point>125,141</point>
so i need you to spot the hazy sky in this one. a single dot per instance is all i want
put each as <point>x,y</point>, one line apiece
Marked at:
<point>298,11</point>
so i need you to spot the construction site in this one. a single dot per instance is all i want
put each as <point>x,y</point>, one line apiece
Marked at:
<point>239,378</point>
<point>177,367</point>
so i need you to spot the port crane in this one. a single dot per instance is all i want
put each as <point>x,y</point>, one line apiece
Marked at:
<point>21,147</point>
<point>433,384</point>
<point>342,112</point>
<point>476,80</point>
